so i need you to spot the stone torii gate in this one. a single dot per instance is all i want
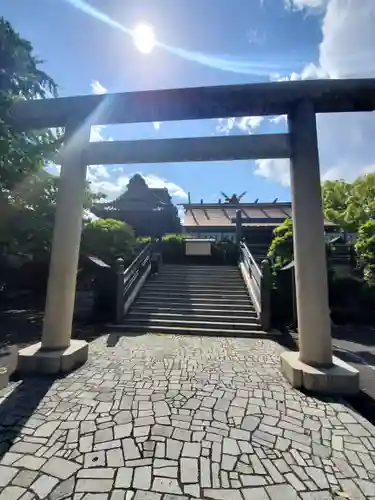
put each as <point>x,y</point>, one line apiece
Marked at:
<point>313,367</point>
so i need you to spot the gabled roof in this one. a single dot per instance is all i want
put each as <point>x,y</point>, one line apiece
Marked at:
<point>210,215</point>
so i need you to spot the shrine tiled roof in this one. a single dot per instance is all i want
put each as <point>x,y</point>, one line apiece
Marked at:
<point>223,214</point>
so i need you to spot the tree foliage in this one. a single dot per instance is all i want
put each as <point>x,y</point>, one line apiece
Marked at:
<point>349,204</point>
<point>21,153</point>
<point>281,248</point>
<point>29,224</point>
<point>108,239</point>
<point>365,248</point>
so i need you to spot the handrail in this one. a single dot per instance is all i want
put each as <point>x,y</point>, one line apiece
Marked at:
<point>250,257</point>
<point>130,280</point>
<point>259,283</point>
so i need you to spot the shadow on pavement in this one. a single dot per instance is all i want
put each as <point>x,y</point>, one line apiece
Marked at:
<point>364,335</point>
<point>114,337</point>
<point>19,406</point>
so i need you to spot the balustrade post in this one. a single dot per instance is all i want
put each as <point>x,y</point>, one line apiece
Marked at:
<point>120,269</point>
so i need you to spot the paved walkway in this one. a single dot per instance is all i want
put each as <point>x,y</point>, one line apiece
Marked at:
<point>174,418</point>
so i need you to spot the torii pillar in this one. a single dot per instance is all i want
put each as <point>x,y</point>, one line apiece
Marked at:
<point>313,367</point>
<point>57,352</point>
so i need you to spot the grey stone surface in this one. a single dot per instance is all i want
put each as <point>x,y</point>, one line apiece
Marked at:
<point>170,417</point>
<point>43,485</point>
<point>7,474</point>
<point>59,467</point>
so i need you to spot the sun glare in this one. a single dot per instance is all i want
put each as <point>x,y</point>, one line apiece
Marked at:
<point>144,38</point>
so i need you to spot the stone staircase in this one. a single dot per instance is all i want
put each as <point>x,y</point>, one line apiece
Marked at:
<point>204,300</point>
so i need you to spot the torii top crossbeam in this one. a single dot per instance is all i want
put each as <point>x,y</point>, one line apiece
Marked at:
<point>275,98</point>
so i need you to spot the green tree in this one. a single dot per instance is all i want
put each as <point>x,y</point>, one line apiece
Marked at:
<point>29,226</point>
<point>21,153</point>
<point>108,239</point>
<point>365,248</point>
<point>281,248</point>
<point>349,204</point>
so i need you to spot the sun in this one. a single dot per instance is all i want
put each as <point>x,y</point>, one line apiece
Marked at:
<point>144,38</point>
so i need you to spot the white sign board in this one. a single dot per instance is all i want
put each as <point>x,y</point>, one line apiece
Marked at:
<point>198,247</point>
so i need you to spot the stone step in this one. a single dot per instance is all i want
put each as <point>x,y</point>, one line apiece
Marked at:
<point>195,305</point>
<point>193,323</point>
<point>182,267</point>
<point>200,271</point>
<point>139,315</point>
<point>198,289</point>
<point>199,274</point>
<point>186,295</point>
<point>197,309</point>
<point>178,330</point>
<point>187,301</point>
<point>197,279</point>
<point>202,281</point>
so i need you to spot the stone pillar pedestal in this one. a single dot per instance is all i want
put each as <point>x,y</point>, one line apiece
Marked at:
<point>57,352</point>
<point>313,367</point>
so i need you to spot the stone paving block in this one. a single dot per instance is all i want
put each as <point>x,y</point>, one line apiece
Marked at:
<point>7,474</point>
<point>220,494</point>
<point>94,485</point>
<point>317,495</point>
<point>60,468</point>
<point>255,494</point>
<point>130,449</point>
<point>63,490</point>
<point>12,493</point>
<point>25,478</point>
<point>166,485</point>
<point>282,492</point>
<point>30,462</point>
<point>122,430</point>
<point>142,478</point>
<point>124,477</point>
<point>118,495</point>
<point>189,470</point>
<point>25,447</point>
<point>147,495</point>
<point>44,485</point>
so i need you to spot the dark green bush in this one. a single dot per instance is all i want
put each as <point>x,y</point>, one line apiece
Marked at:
<point>281,248</point>
<point>173,248</point>
<point>352,300</point>
<point>365,248</point>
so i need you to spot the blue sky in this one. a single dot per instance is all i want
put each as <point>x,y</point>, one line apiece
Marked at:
<point>88,48</point>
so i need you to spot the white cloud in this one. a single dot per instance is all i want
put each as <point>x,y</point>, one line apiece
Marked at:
<point>225,125</point>
<point>278,119</point>
<point>247,124</point>
<point>156,125</point>
<point>153,181</point>
<point>96,134</point>
<point>347,50</point>
<point>181,213</point>
<point>115,186</point>
<point>97,172</point>
<point>98,88</point>
<point>275,169</point>
<point>348,46</point>
<point>305,4</point>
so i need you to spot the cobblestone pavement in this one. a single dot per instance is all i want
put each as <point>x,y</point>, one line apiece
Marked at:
<point>174,418</point>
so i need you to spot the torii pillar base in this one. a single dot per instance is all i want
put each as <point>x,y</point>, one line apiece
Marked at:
<point>34,359</point>
<point>339,378</point>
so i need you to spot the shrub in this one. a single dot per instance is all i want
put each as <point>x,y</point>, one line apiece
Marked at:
<point>173,248</point>
<point>281,248</point>
<point>108,239</point>
<point>365,248</point>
